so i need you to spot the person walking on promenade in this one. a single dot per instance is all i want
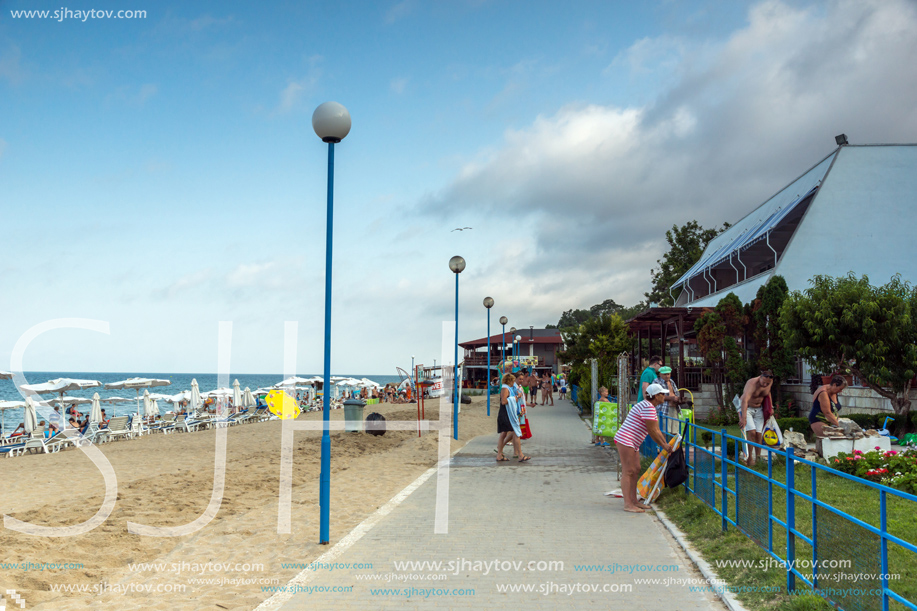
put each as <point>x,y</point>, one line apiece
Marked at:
<point>534,383</point>
<point>548,385</point>
<point>757,393</point>
<point>641,420</point>
<point>649,374</point>
<point>508,420</point>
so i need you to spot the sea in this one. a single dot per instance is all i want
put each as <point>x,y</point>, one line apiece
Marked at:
<point>180,381</point>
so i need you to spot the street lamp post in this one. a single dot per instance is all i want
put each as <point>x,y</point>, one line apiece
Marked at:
<point>503,321</point>
<point>488,303</point>
<point>512,342</point>
<point>519,349</point>
<point>457,265</point>
<point>331,123</point>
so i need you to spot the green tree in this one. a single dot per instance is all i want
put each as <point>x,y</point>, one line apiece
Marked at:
<point>845,324</point>
<point>602,338</point>
<point>686,245</point>
<point>716,340</point>
<point>772,352</point>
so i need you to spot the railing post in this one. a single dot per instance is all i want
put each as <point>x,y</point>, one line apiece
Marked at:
<point>814,531</point>
<point>724,455</point>
<point>770,501</point>
<point>790,520</point>
<point>883,526</point>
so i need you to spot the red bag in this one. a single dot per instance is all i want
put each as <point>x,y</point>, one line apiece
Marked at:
<point>526,430</point>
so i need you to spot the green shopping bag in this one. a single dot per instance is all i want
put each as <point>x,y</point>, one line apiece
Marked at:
<point>605,419</point>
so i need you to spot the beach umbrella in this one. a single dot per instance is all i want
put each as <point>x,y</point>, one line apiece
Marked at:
<point>370,383</point>
<point>68,401</point>
<point>95,414</point>
<point>136,384</point>
<point>236,396</point>
<point>195,396</point>
<point>248,399</point>
<point>218,393</point>
<point>154,408</point>
<point>5,405</point>
<point>59,386</point>
<point>29,419</point>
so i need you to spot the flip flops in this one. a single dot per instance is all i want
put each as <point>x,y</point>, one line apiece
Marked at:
<point>525,458</point>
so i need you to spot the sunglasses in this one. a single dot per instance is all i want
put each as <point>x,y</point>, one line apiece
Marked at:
<point>767,375</point>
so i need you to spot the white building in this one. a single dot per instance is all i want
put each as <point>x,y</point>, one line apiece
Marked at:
<point>854,211</point>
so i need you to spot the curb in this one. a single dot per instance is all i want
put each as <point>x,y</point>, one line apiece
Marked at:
<point>702,565</point>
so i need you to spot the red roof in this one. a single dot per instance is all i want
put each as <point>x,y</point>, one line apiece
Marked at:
<point>496,339</point>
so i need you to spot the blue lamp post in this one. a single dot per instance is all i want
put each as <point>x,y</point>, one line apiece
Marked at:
<point>503,321</point>
<point>457,265</point>
<point>331,123</point>
<point>512,344</point>
<point>488,303</point>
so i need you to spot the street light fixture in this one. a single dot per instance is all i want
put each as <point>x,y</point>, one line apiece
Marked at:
<point>331,123</point>
<point>457,265</point>
<point>488,303</point>
<point>503,321</point>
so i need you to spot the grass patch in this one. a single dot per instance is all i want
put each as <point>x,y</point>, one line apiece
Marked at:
<point>703,528</point>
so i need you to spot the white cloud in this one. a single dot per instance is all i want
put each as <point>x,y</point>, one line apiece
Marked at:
<point>147,90</point>
<point>399,11</point>
<point>397,85</point>
<point>299,89</point>
<point>744,116</point>
<point>10,64</point>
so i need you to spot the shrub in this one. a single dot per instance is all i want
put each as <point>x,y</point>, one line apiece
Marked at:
<point>894,468</point>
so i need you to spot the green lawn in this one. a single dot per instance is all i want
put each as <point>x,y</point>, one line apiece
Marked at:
<point>840,538</point>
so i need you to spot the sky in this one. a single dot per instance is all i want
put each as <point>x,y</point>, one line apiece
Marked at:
<point>161,173</point>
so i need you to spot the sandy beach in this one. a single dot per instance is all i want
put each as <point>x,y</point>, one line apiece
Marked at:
<point>166,480</point>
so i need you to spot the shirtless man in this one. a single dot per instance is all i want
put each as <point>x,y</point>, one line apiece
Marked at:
<point>751,412</point>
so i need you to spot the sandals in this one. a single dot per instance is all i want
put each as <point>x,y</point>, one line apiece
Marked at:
<point>525,458</point>
<point>502,459</point>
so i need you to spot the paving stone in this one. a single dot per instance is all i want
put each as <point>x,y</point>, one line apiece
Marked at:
<point>552,509</point>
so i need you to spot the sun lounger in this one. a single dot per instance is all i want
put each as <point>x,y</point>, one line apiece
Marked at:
<point>118,427</point>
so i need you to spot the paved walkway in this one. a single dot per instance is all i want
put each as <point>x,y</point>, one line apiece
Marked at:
<point>552,509</point>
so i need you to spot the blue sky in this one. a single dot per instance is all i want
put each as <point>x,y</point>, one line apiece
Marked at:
<point>162,174</point>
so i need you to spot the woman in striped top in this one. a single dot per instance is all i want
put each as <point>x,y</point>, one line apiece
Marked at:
<point>641,419</point>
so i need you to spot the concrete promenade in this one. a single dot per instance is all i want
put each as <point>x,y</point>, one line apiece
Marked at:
<point>551,510</point>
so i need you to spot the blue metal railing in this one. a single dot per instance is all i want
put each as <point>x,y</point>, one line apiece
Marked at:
<point>704,481</point>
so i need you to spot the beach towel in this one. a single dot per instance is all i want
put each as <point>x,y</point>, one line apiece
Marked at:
<point>768,406</point>
<point>605,419</point>
<point>651,482</point>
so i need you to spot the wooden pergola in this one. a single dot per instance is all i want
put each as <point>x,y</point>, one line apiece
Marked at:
<point>663,324</point>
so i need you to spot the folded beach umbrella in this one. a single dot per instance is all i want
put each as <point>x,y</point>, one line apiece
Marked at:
<point>29,419</point>
<point>95,413</point>
<point>147,405</point>
<point>236,396</point>
<point>195,397</point>
<point>248,399</point>
<point>154,408</point>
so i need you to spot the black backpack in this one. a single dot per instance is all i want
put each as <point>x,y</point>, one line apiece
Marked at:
<point>676,469</point>
<point>375,424</point>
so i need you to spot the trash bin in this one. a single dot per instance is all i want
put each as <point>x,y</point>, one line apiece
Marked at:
<point>353,415</point>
